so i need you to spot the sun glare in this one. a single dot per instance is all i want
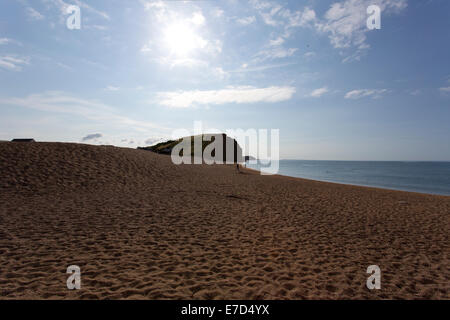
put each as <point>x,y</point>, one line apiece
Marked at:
<point>181,39</point>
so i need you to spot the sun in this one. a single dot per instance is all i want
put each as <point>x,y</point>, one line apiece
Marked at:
<point>181,39</point>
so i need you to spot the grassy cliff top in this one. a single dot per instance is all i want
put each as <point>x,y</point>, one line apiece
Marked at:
<point>167,146</point>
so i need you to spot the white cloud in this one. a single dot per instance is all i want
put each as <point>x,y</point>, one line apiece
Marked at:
<point>445,89</point>
<point>4,41</point>
<point>309,54</point>
<point>345,22</point>
<point>218,13</point>
<point>246,20</point>
<point>239,95</point>
<point>214,47</point>
<point>220,73</point>
<point>299,18</point>
<point>13,63</point>
<point>181,62</point>
<point>274,14</point>
<point>246,68</point>
<point>96,27</point>
<point>355,56</point>
<point>358,94</point>
<point>319,92</point>
<point>268,10</point>
<point>268,18</point>
<point>147,47</point>
<point>277,42</point>
<point>148,5</point>
<point>274,53</point>
<point>64,66</point>
<point>112,88</point>
<point>198,18</point>
<point>283,20</point>
<point>33,13</point>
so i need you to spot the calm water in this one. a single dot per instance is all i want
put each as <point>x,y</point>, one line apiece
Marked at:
<point>425,177</point>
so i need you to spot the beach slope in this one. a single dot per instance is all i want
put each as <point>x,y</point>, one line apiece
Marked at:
<point>140,227</point>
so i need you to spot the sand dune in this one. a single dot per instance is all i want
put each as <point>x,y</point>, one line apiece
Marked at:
<point>140,227</point>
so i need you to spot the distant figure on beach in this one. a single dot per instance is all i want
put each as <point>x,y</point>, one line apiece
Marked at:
<point>237,167</point>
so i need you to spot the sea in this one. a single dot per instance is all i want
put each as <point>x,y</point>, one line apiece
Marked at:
<point>423,177</point>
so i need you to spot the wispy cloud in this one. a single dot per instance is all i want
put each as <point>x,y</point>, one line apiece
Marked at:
<point>61,102</point>
<point>91,9</point>
<point>345,23</point>
<point>445,89</point>
<point>96,27</point>
<point>220,73</point>
<point>246,68</point>
<point>302,18</point>
<point>13,63</point>
<point>198,18</point>
<point>268,11</point>
<point>153,4</point>
<point>274,53</point>
<point>112,88</point>
<point>274,14</point>
<point>415,92</point>
<point>362,93</point>
<point>283,20</point>
<point>4,41</point>
<point>277,42</point>
<point>62,7</point>
<point>34,14</point>
<point>246,20</point>
<point>64,66</point>
<point>239,95</point>
<point>181,62</point>
<point>319,92</point>
<point>218,13</point>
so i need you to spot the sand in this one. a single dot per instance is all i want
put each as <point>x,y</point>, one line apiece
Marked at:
<point>140,227</point>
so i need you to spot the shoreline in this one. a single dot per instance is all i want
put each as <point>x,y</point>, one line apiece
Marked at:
<point>356,185</point>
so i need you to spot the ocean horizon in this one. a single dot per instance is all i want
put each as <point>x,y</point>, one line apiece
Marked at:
<point>431,177</point>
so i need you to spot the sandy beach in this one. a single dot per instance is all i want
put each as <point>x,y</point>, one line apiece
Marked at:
<point>140,227</point>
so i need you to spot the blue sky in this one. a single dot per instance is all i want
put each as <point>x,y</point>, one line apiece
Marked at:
<point>137,70</point>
